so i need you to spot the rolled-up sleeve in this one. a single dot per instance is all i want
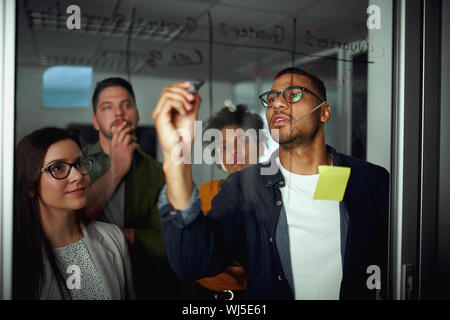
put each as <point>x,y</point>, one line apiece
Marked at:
<point>181,218</point>
<point>197,245</point>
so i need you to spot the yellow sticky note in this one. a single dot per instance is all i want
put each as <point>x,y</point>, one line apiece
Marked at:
<point>332,183</point>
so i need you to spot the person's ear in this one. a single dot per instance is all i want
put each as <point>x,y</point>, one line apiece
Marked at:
<point>95,123</point>
<point>138,117</point>
<point>325,113</point>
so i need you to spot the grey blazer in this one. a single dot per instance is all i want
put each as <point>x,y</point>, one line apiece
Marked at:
<point>109,252</point>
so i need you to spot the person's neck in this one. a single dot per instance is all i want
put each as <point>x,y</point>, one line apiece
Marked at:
<point>305,158</point>
<point>105,143</point>
<point>61,228</point>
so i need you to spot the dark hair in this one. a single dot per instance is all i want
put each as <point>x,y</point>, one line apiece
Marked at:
<point>239,116</point>
<point>110,82</point>
<point>317,83</point>
<point>30,243</point>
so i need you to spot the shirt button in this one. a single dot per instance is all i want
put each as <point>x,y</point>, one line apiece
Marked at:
<point>279,277</point>
<point>270,239</point>
<point>173,212</point>
<point>279,202</point>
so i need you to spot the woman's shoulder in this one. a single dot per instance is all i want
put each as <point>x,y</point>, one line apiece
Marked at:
<point>106,230</point>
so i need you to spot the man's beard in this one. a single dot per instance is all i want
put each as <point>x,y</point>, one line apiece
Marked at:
<point>294,136</point>
<point>108,133</point>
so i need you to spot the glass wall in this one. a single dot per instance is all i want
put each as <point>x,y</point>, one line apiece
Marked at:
<point>236,47</point>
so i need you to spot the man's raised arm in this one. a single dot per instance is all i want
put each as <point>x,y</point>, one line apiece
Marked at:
<point>174,116</point>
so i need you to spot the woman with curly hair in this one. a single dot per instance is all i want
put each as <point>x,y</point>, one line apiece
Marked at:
<point>240,144</point>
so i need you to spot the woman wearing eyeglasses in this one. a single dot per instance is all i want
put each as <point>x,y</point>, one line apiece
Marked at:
<point>58,252</point>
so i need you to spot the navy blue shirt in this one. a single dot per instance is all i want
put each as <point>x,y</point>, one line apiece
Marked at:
<point>247,223</point>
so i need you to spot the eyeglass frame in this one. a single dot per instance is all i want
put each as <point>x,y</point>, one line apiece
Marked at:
<point>46,169</point>
<point>282,93</point>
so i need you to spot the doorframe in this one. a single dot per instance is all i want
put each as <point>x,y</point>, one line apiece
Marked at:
<point>7,94</point>
<point>415,148</point>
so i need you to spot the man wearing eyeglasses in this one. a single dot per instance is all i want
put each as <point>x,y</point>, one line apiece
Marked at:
<point>291,246</point>
<point>125,183</point>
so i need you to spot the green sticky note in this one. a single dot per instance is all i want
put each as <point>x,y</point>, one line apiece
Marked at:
<point>332,183</point>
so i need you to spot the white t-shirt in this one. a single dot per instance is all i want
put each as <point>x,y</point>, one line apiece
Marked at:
<point>314,237</point>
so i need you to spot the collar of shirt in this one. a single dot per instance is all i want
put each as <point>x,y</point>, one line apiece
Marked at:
<point>277,178</point>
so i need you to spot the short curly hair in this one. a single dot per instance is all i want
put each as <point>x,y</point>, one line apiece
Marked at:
<point>240,117</point>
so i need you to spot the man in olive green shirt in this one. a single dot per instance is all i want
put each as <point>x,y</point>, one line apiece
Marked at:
<point>125,184</point>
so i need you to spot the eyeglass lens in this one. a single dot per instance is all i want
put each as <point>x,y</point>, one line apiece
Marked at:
<point>61,170</point>
<point>291,95</point>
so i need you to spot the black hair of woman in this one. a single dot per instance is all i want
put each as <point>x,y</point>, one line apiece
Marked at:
<point>29,241</point>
